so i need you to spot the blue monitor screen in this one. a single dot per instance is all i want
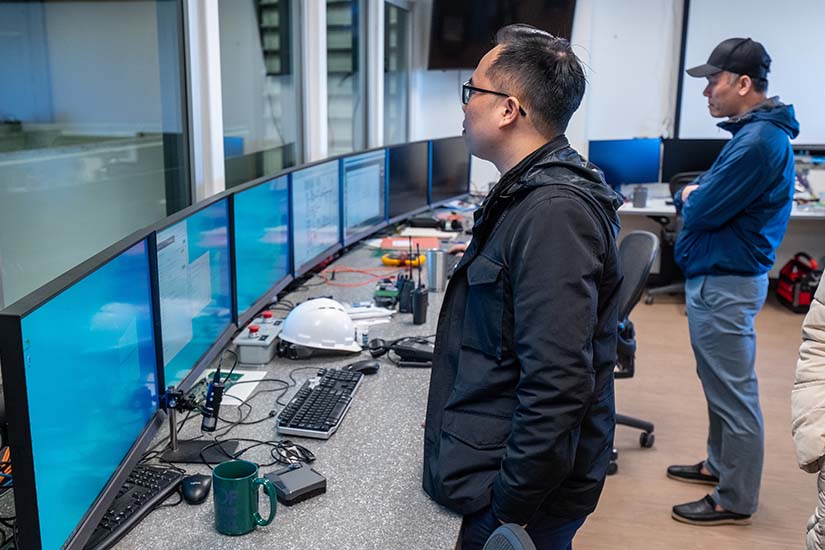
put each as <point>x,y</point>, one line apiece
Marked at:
<point>194,285</point>
<point>364,187</point>
<point>626,161</point>
<point>315,214</point>
<point>408,178</point>
<point>91,383</point>
<point>451,169</point>
<point>261,239</point>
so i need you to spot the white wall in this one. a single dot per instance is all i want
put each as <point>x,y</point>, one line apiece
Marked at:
<point>630,51</point>
<point>633,63</point>
<point>792,35</point>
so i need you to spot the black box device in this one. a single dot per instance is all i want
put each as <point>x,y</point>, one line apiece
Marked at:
<point>296,483</point>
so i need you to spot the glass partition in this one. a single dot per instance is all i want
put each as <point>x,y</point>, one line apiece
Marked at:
<point>346,79</point>
<point>92,132</point>
<point>396,73</point>
<point>260,84</point>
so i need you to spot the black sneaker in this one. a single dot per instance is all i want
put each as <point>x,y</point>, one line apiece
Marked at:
<point>691,474</point>
<point>703,512</point>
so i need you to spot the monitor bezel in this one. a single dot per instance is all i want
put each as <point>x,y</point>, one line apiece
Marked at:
<point>12,364</point>
<point>242,318</point>
<point>460,196</point>
<point>667,163</point>
<point>410,213</point>
<point>374,228</point>
<point>309,265</point>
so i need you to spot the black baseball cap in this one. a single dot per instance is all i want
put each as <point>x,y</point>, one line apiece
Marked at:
<point>736,55</point>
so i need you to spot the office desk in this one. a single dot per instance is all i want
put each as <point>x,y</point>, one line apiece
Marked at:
<point>372,463</point>
<point>659,195</point>
<point>806,229</point>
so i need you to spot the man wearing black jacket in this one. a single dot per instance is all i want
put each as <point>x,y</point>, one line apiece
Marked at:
<point>520,417</point>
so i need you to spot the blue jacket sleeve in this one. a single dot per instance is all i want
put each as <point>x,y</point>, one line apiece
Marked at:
<point>677,199</point>
<point>555,273</point>
<point>732,183</point>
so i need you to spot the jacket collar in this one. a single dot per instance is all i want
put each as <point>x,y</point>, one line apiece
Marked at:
<point>512,180</point>
<point>735,123</point>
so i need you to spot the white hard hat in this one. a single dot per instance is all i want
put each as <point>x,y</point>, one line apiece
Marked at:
<point>320,323</point>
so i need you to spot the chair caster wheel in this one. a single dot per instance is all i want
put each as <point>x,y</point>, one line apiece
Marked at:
<point>612,468</point>
<point>646,440</point>
<point>614,455</point>
<point>648,299</point>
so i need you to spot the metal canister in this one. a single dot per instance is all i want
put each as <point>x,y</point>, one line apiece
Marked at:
<point>437,261</point>
<point>640,196</point>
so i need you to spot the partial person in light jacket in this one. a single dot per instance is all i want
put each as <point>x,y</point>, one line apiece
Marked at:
<point>808,410</point>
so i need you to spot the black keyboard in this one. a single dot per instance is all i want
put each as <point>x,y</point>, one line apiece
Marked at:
<point>320,405</point>
<point>145,488</point>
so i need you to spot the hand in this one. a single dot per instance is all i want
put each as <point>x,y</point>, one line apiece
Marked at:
<point>687,190</point>
<point>458,248</point>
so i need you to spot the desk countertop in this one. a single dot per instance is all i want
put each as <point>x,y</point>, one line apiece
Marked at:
<point>658,196</point>
<point>372,463</point>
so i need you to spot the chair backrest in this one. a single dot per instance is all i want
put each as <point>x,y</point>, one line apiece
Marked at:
<point>681,179</point>
<point>637,251</point>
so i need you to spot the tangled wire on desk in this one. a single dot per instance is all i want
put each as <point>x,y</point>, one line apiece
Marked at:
<point>373,274</point>
<point>283,452</point>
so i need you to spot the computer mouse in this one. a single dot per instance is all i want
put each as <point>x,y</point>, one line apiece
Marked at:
<point>365,366</point>
<point>195,488</point>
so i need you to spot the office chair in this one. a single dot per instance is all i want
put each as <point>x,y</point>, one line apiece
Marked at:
<point>636,253</point>
<point>668,234</point>
<point>509,537</point>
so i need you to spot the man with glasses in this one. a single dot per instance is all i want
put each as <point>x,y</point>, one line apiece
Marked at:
<point>520,416</point>
<point>733,218</point>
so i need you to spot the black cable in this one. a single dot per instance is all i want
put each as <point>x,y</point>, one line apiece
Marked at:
<point>242,418</point>
<point>234,362</point>
<point>180,499</point>
<point>294,382</point>
<point>294,453</point>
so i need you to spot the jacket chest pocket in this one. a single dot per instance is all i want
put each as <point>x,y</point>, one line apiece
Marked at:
<point>482,324</point>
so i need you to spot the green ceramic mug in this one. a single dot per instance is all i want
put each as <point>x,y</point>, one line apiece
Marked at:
<point>235,492</point>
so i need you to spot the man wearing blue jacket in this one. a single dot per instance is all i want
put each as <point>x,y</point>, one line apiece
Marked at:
<point>734,217</point>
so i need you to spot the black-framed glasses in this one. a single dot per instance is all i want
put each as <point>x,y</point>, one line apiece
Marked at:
<point>467,90</point>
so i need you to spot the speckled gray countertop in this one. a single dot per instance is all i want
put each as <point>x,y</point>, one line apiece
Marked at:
<point>372,463</point>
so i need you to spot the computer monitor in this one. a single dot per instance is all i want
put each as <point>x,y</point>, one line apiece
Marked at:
<point>408,179</point>
<point>82,397</point>
<point>364,187</point>
<point>316,216</point>
<point>194,283</point>
<point>261,221</point>
<point>626,161</point>
<point>689,155</point>
<point>450,170</point>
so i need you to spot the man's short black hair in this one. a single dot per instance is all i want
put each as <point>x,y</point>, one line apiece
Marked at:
<point>542,71</point>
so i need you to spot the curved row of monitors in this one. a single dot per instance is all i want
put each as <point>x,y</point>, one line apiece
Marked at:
<point>86,357</point>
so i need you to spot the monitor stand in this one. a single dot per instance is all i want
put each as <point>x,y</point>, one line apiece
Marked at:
<point>195,451</point>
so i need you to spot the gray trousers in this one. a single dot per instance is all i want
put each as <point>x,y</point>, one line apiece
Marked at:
<point>721,311</point>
